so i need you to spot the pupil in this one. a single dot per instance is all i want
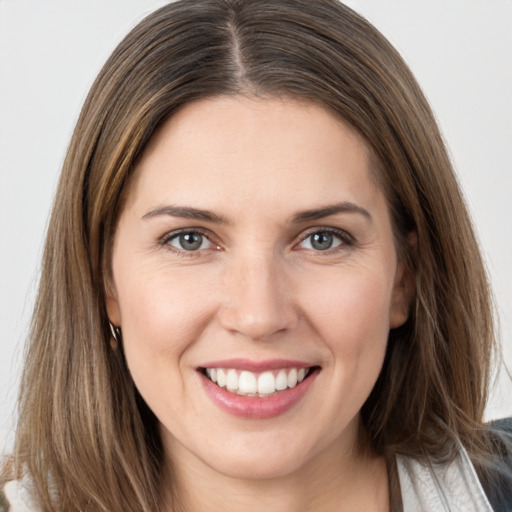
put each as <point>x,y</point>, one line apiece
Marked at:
<point>191,241</point>
<point>322,241</point>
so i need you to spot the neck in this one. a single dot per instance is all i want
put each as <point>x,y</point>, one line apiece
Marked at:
<point>334,479</point>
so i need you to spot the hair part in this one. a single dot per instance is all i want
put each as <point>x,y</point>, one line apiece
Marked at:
<point>84,433</point>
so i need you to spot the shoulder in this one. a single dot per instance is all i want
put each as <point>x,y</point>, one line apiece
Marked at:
<point>16,496</point>
<point>502,427</point>
<point>428,483</point>
<point>462,483</point>
<point>4,506</point>
<point>496,474</point>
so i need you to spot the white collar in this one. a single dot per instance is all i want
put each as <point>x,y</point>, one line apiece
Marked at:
<point>19,496</point>
<point>451,487</point>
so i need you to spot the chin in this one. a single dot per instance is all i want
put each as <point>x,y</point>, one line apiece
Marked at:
<point>259,468</point>
<point>261,457</point>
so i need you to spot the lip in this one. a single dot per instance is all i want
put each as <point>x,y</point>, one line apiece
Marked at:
<point>257,407</point>
<point>256,366</point>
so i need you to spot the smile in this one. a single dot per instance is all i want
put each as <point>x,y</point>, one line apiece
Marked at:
<point>251,384</point>
<point>257,389</point>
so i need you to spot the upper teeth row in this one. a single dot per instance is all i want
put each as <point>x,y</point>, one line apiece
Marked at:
<point>249,383</point>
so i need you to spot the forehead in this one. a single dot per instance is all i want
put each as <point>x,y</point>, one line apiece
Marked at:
<point>266,148</point>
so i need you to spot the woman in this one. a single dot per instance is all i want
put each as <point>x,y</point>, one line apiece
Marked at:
<point>260,286</point>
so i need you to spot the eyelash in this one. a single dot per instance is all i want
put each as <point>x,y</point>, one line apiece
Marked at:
<point>346,240</point>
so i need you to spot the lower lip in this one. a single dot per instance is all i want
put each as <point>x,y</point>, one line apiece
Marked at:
<point>257,407</point>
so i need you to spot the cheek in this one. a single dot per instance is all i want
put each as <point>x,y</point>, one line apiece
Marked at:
<point>162,316</point>
<point>352,293</point>
<point>350,310</point>
<point>162,313</point>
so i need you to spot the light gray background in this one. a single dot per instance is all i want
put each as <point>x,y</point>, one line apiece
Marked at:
<point>51,50</point>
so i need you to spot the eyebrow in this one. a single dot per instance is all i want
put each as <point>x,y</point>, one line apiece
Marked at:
<point>186,212</point>
<point>326,211</point>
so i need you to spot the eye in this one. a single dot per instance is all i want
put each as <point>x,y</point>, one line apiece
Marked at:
<point>189,241</point>
<point>325,239</point>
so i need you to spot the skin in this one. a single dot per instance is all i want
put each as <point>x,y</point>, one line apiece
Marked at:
<point>258,289</point>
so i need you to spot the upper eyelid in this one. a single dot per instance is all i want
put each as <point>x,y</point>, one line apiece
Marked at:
<point>336,231</point>
<point>176,232</point>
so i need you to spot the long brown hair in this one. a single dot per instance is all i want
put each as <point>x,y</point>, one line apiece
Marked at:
<point>85,436</point>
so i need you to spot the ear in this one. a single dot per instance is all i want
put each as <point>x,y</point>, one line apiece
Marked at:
<point>404,287</point>
<point>112,305</point>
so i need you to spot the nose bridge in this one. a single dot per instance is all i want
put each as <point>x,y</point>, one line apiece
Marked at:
<point>258,301</point>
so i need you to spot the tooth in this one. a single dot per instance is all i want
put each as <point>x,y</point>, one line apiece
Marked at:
<point>281,381</point>
<point>266,383</point>
<point>247,383</point>
<point>292,378</point>
<point>221,377</point>
<point>232,380</point>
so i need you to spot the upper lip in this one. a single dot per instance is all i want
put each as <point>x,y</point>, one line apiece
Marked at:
<point>256,366</point>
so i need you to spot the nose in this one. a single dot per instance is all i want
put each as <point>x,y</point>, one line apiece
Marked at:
<point>258,300</point>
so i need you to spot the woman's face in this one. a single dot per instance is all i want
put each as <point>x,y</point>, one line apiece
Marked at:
<point>255,249</point>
